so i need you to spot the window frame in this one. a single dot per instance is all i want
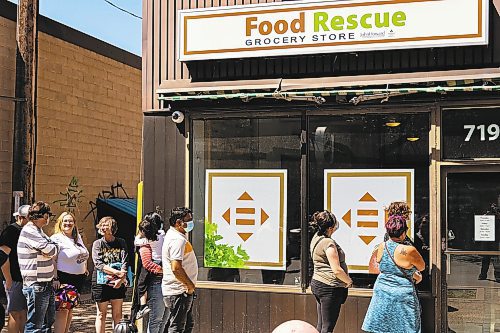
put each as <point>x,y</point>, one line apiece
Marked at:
<point>305,111</point>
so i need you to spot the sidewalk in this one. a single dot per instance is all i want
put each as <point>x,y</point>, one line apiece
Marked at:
<point>84,316</point>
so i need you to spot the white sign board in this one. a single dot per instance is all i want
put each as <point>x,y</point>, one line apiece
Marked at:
<point>357,197</point>
<point>484,228</point>
<point>249,209</point>
<point>312,27</point>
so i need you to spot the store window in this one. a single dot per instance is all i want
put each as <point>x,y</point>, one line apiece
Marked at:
<point>249,144</point>
<point>370,141</point>
<point>373,142</point>
<point>472,133</point>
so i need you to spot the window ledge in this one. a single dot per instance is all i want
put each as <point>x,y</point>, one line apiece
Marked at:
<point>271,288</point>
<point>282,289</point>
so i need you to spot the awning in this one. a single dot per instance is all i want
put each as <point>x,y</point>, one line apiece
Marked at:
<point>377,86</point>
<point>127,206</point>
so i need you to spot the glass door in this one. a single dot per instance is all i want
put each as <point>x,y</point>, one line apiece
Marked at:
<point>472,249</point>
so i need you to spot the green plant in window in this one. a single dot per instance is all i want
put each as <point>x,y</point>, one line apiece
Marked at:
<point>222,255</point>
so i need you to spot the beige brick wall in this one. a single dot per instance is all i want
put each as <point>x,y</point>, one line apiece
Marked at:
<point>7,88</point>
<point>89,124</point>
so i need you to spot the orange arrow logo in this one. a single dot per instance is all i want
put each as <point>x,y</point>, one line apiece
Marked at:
<point>363,217</point>
<point>347,218</point>
<point>367,197</point>
<point>246,221</point>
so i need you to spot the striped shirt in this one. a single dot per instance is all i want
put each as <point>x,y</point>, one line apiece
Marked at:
<point>36,254</point>
<point>147,261</point>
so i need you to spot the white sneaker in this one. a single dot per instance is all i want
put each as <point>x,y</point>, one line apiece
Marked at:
<point>141,313</point>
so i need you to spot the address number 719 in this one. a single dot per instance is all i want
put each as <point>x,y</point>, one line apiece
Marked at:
<point>493,131</point>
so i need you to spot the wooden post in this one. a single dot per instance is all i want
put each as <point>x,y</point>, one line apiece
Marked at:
<point>24,150</point>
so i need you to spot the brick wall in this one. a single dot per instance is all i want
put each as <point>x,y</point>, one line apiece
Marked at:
<point>90,124</point>
<point>89,118</point>
<point>7,88</point>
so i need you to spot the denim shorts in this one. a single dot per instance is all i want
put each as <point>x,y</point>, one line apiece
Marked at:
<point>15,298</point>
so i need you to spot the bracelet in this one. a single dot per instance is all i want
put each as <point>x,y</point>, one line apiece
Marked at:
<point>55,279</point>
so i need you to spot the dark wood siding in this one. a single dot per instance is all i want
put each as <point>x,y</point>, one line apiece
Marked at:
<point>163,163</point>
<point>217,311</point>
<point>159,55</point>
<point>159,44</point>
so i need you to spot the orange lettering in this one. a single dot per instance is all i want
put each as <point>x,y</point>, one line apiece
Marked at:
<point>250,26</point>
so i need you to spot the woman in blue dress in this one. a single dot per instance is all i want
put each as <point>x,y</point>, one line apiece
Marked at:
<point>394,306</point>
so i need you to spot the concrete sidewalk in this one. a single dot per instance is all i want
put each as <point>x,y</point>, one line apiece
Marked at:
<point>84,316</point>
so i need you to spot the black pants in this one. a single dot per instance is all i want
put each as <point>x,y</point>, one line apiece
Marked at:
<point>329,300</point>
<point>180,313</point>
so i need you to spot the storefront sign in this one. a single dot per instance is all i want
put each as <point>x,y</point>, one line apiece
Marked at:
<point>311,27</point>
<point>245,219</point>
<point>484,228</point>
<point>471,133</point>
<point>358,197</point>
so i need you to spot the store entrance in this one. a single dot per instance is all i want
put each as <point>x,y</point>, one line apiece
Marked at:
<point>472,249</point>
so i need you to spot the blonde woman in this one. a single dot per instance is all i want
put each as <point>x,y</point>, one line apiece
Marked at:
<point>71,263</point>
<point>110,257</point>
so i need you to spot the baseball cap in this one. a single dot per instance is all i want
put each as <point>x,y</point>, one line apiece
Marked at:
<point>22,211</point>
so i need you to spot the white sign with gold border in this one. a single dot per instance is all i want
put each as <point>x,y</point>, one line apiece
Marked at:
<point>249,208</point>
<point>314,26</point>
<point>358,197</point>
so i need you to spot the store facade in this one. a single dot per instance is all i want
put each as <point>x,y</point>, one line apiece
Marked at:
<point>272,134</point>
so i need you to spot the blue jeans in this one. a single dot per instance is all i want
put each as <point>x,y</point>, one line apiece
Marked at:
<point>41,307</point>
<point>180,313</point>
<point>158,315</point>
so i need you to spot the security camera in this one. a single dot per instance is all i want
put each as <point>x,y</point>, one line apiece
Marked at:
<point>177,117</point>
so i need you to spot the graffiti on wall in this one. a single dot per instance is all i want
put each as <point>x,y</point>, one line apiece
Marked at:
<point>71,197</point>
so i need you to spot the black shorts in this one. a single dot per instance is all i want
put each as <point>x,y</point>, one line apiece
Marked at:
<point>76,280</point>
<point>105,293</point>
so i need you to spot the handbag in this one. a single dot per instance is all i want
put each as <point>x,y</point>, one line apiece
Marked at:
<point>373,264</point>
<point>66,297</point>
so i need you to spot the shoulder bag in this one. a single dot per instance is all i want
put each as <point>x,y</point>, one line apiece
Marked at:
<point>410,278</point>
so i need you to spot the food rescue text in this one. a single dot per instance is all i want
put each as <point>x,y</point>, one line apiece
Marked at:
<point>327,28</point>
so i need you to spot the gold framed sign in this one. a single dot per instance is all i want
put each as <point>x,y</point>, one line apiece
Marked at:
<point>312,27</point>
<point>245,222</point>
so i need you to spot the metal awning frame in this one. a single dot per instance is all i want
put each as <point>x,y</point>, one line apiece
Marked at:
<point>318,96</point>
<point>359,88</point>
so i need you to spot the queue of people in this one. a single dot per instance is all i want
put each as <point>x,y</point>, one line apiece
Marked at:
<point>394,306</point>
<point>45,275</point>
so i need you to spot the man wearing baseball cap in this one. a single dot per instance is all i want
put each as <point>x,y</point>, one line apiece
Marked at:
<point>16,302</point>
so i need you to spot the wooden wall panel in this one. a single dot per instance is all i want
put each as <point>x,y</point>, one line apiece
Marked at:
<point>240,311</point>
<point>164,164</point>
<point>159,51</point>
<point>221,311</point>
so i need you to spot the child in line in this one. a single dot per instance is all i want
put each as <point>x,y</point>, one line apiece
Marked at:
<point>150,241</point>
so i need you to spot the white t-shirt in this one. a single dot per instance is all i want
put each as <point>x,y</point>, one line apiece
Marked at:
<point>156,245</point>
<point>177,247</point>
<point>72,258</point>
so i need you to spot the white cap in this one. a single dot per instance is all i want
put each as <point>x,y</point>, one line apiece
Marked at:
<point>22,211</point>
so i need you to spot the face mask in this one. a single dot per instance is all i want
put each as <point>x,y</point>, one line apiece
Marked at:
<point>189,226</point>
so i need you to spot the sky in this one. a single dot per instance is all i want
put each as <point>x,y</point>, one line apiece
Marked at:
<point>99,19</point>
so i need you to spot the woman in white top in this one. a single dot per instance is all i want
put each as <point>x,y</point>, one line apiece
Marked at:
<point>71,263</point>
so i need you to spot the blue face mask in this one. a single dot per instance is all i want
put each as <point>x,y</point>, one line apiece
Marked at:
<point>189,226</point>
